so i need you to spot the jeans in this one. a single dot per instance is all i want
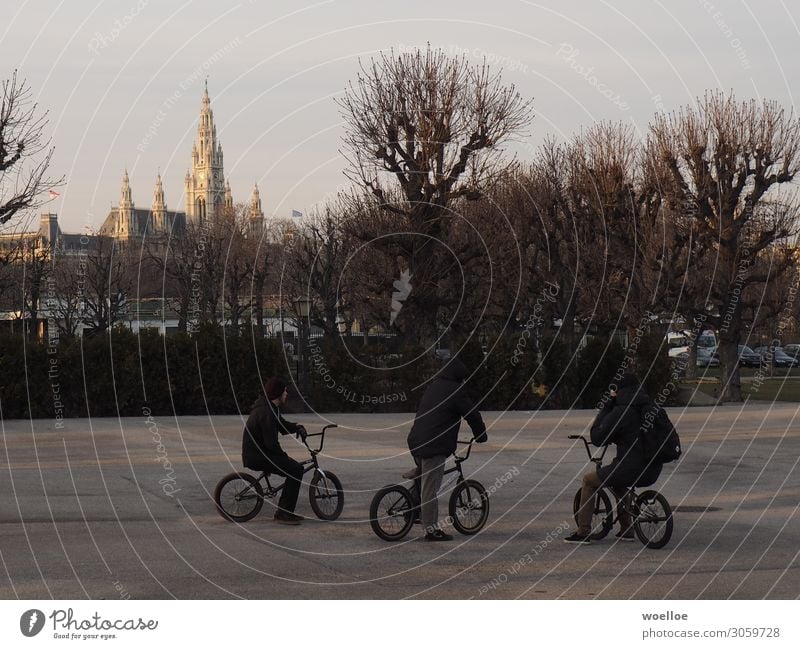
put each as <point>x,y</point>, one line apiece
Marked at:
<point>432,469</point>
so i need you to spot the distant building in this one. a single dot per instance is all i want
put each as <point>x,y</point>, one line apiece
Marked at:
<point>48,235</point>
<point>206,192</point>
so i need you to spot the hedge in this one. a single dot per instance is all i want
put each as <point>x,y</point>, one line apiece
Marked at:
<point>124,374</point>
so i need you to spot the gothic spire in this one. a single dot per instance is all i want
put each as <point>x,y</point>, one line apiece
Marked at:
<point>126,198</point>
<point>159,204</point>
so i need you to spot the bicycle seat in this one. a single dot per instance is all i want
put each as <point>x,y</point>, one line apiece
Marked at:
<point>412,474</point>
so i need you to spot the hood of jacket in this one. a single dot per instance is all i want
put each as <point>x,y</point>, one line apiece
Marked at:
<point>260,402</point>
<point>633,395</point>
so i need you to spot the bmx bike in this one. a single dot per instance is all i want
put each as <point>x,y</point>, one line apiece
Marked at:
<point>239,496</point>
<point>395,508</point>
<point>650,513</point>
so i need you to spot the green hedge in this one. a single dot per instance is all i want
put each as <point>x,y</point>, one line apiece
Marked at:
<point>126,374</point>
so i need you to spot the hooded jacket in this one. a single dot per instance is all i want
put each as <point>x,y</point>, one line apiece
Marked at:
<point>443,405</point>
<point>619,423</point>
<point>260,437</point>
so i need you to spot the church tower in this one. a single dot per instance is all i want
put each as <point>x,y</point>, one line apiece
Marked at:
<point>228,198</point>
<point>205,181</point>
<point>158,223</point>
<point>125,227</point>
<point>255,212</point>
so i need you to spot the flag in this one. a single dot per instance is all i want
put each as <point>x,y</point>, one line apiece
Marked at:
<point>296,214</point>
<point>54,194</point>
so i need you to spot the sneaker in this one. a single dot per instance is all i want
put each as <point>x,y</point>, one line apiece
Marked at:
<point>437,535</point>
<point>626,535</point>
<point>287,518</point>
<point>581,539</point>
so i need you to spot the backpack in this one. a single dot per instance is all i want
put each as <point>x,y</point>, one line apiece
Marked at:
<point>659,439</point>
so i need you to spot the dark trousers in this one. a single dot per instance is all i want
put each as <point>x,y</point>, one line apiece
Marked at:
<point>290,469</point>
<point>591,483</point>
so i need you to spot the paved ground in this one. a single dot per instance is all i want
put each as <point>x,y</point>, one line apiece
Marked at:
<point>99,510</point>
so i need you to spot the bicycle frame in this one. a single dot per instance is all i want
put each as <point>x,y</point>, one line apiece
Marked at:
<point>653,508</point>
<point>311,464</point>
<point>629,499</point>
<point>416,488</point>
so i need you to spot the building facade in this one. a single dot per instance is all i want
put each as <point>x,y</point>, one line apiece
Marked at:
<point>206,192</point>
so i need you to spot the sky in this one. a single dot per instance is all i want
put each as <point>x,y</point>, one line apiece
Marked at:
<point>123,79</point>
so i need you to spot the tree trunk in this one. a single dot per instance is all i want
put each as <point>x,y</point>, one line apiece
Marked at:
<point>259,309</point>
<point>691,361</point>
<point>731,382</point>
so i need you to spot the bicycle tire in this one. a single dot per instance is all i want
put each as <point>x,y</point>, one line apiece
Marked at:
<point>652,509</point>
<point>392,512</point>
<point>602,517</point>
<point>326,495</point>
<point>238,497</point>
<point>469,507</point>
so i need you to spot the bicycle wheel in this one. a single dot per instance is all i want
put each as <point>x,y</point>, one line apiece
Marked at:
<point>602,517</point>
<point>326,495</point>
<point>652,520</point>
<point>238,497</point>
<point>391,513</point>
<point>469,507</point>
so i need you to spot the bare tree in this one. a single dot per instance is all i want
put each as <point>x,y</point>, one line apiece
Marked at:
<point>31,270</point>
<point>109,284</point>
<point>25,153</point>
<point>263,249</point>
<point>726,162</point>
<point>316,265</point>
<point>423,131</point>
<point>67,305</point>
<point>239,264</point>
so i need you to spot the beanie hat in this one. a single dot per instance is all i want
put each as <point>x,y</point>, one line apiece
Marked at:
<point>274,388</point>
<point>628,381</point>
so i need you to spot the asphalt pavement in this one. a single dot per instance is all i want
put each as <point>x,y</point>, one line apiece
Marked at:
<point>122,508</point>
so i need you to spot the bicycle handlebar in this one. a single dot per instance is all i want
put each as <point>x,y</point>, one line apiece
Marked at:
<point>469,443</point>
<point>596,460</point>
<point>321,441</point>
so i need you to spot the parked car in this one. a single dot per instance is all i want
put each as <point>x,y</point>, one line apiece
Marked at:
<point>748,358</point>
<point>705,357</point>
<point>780,357</point>
<point>793,350</point>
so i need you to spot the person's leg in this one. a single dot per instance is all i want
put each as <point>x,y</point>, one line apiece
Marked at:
<point>432,472</point>
<point>293,472</point>
<point>416,489</point>
<point>591,483</point>
<point>623,507</point>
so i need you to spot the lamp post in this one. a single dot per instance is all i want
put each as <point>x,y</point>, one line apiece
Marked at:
<point>303,307</point>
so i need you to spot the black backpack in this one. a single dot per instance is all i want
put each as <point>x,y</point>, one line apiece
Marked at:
<point>658,436</point>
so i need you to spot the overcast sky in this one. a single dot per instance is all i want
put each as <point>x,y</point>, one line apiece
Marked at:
<point>123,78</point>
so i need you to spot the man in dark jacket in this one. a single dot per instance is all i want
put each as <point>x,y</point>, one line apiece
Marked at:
<point>261,450</point>
<point>434,435</point>
<point>618,422</point>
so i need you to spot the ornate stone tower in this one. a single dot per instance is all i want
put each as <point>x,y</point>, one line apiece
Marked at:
<point>158,225</point>
<point>125,226</point>
<point>255,212</point>
<point>205,181</point>
<point>228,197</point>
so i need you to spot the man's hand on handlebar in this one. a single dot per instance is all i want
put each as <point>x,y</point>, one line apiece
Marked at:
<point>301,432</point>
<point>483,437</point>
